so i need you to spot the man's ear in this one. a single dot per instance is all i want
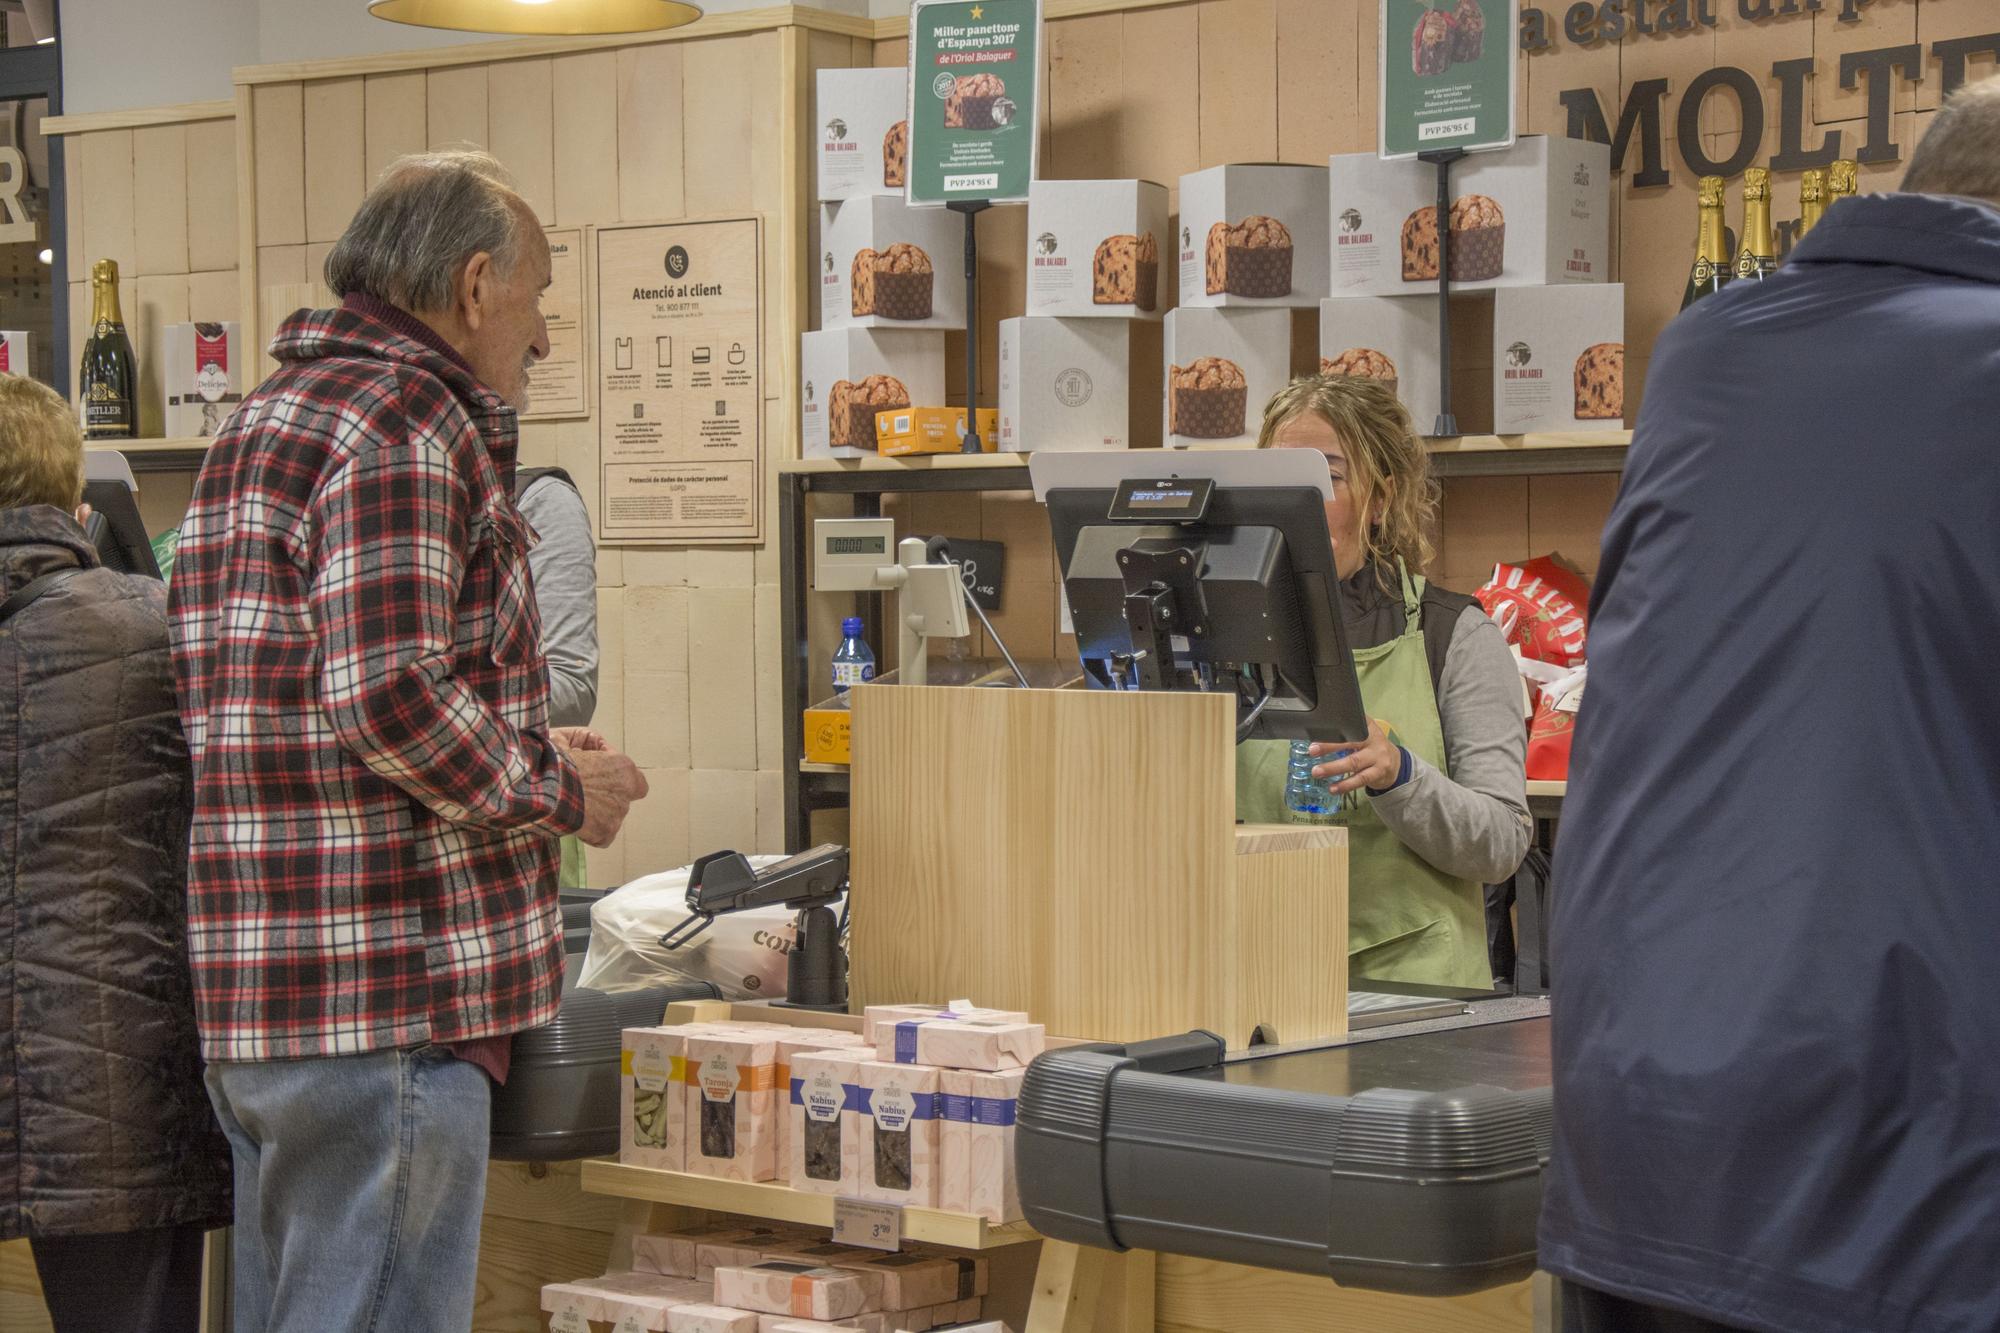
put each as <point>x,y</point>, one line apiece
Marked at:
<point>475,289</point>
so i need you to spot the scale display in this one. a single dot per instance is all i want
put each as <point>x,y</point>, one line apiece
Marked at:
<point>856,546</point>
<point>1175,500</point>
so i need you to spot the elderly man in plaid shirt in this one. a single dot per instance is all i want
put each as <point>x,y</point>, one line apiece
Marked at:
<point>378,794</point>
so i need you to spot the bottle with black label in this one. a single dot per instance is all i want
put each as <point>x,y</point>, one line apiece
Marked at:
<point>1711,254</point>
<point>106,380</point>
<point>1758,259</point>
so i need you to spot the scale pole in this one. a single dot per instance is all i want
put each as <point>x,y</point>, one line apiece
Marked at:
<point>972,208</point>
<point>1447,424</point>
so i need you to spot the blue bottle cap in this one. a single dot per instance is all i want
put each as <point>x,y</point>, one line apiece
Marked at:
<point>851,627</point>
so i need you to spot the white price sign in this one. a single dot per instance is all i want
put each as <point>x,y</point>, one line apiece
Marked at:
<point>872,1226</point>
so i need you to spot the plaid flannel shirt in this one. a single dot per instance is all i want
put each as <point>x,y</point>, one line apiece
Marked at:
<point>373,860</point>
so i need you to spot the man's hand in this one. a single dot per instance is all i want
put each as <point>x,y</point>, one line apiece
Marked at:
<point>572,739</point>
<point>1375,763</point>
<point>611,783</point>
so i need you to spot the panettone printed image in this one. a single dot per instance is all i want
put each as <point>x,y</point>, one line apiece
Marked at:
<point>1361,363</point>
<point>1207,400</point>
<point>896,154</point>
<point>895,283</point>
<point>1468,32</point>
<point>1126,271</point>
<point>970,106</point>
<point>851,409</point>
<point>1600,383</point>
<point>1478,241</point>
<point>1250,258</point>
<point>1431,44</point>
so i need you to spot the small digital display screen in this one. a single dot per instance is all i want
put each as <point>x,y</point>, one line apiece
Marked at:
<point>1172,500</point>
<point>1176,499</point>
<point>856,546</point>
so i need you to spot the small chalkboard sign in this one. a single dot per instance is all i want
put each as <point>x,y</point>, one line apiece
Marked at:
<point>984,565</point>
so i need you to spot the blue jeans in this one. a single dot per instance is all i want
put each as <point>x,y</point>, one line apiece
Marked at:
<point>359,1186</point>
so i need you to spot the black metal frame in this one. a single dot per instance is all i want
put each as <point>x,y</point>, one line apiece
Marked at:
<point>26,73</point>
<point>807,792</point>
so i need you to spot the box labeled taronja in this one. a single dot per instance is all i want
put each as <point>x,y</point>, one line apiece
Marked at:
<point>1094,248</point>
<point>846,376</point>
<point>1222,367</point>
<point>1559,359</point>
<point>1253,235</point>
<point>1389,338</point>
<point>1536,214</point>
<point>1065,384</point>
<point>884,264</point>
<point>864,140</point>
<point>732,1106</point>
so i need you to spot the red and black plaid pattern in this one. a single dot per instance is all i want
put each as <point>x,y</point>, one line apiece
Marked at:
<point>373,861</point>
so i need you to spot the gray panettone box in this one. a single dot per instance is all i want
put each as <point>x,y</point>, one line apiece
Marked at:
<point>1065,384</point>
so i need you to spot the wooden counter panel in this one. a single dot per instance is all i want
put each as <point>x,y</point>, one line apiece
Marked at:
<point>1201,1296</point>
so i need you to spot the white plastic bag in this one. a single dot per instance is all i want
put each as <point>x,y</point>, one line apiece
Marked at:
<point>742,953</point>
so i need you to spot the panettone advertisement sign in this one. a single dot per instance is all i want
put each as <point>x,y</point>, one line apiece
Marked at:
<point>975,70</point>
<point>1447,74</point>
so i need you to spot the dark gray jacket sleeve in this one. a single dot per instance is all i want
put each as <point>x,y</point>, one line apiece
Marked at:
<point>564,563</point>
<point>1475,823</point>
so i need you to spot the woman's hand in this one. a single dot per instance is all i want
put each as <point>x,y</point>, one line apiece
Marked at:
<point>1377,762</point>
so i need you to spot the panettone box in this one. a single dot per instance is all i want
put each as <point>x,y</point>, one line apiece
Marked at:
<point>1389,338</point>
<point>864,140</point>
<point>1559,359</point>
<point>1065,384</point>
<point>1253,236</point>
<point>1222,366</point>
<point>1094,249</point>
<point>846,376</point>
<point>884,264</point>
<point>1535,214</point>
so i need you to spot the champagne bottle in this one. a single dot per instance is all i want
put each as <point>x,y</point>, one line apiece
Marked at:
<point>1758,259</point>
<point>1711,255</point>
<point>1841,179</point>
<point>1812,200</point>
<point>107,380</point>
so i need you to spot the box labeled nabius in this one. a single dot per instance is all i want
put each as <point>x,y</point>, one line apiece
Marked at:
<point>822,1141</point>
<point>1559,359</point>
<point>1253,235</point>
<point>1391,339</point>
<point>846,376</point>
<point>1094,248</point>
<point>886,265</point>
<point>1065,384</point>
<point>1536,214</point>
<point>976,1143</point>
<point>899,1133</point>
<point>1222,367</point>
<point>864,137</point>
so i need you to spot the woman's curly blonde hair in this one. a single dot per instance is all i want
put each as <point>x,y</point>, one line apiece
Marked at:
<point>1386,460</point>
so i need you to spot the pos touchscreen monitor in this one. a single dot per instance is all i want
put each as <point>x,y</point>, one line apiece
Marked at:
<point>114,526</point>
<point>1207,572</point>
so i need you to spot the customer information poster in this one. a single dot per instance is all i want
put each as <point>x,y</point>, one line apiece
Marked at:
<point>1448,69</point>
<point>559,386</point>
<point>975,86</point>
<point>680,382</point>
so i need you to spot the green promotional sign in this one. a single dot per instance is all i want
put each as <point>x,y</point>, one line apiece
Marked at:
<point>1448,71</point>
<point>975,74</point>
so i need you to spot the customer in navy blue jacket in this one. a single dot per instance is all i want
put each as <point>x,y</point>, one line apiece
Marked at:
<point>1777,921</point>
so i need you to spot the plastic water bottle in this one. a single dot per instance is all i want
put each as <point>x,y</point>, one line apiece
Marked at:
<point>854,663</point>
<point>1310,800</point>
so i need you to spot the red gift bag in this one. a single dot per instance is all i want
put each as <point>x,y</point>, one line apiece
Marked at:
<point>1541,604</point>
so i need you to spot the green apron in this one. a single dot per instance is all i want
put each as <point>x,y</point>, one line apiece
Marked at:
<point>1406,919</point>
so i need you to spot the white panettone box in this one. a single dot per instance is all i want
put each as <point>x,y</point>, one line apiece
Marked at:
<point>1222,366</point>
<point>1094,249</point>
<point>1065,384</point>
<point>847,375</point>
<point>864,138</point>
<point>1254,236</point>
<point>1559,359</point>
<point>884,264</point>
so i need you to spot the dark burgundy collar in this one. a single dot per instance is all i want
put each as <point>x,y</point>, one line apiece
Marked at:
<point>407,324</point>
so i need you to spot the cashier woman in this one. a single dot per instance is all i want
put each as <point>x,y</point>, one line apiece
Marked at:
<point>1438,805</point>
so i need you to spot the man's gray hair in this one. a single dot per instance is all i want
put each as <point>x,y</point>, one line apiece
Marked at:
<point>428,215</point>
<point>1960,153</point>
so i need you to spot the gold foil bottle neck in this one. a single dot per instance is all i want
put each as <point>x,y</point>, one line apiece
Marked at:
<point>1812,187</point>
<point>1842,177</point>
<point>1756,183</point>
<point>104,271</point>
<point>1711,192</point>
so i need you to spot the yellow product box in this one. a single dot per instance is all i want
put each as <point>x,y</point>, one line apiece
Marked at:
<point>829,736</point>
<point>904,431</point>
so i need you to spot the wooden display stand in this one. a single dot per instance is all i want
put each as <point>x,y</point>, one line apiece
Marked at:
<point>1075,854</point>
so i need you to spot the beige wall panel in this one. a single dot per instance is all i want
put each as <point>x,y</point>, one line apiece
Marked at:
<point>770,677</point>
<point>1318,55</point>
<point>1677,59</point>
<point>1158,131</point>
<point>1658,224</point>
<point>723,98</point>
<point>108,202</point>
<point>455,101</point>
<point>1366,26</point>
<point>1938,20</point>
<point>1239,81</point>
<point>1882,23</point>
<point>279,128</point>
<point>722,673</point>
<point>1200,1296</point>
<point>895,52</point>
<point>720,566</point>
<point>656,566</point>
<point>722,811</point>
<point>213,239</point>
<point>72,150</point>
<point>1549,73</point>
<point>1484,521</point>
<point>79,323</point>
<point>1567,514</point>
<point>336,156</point>
<point>520,118</point>
<point>540,444</point>
<point>1003,286</point>
<point>1755,47</point>
<point>652,120</point>
<point>1086,80</point>
<point>656,718</point>
<point>771,813</point>
<point>586,99</point>
<point>397,112</point>
<point>656,629</point>
<point>152,303</point>
<point>772,195</point>
<point>281,277</point>
<point>655,837</point>
<point>160,179</point>
<point>609,716</point>
<point>215,297</point>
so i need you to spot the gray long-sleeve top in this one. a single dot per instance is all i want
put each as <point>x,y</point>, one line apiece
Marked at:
<point>564,565</point>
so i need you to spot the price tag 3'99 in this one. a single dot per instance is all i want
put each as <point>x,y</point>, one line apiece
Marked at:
<point>872,1226</point>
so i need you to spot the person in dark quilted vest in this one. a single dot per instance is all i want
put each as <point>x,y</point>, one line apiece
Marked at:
<point>111,1160</point>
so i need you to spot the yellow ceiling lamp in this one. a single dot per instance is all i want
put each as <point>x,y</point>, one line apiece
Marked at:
<point>539,18</point>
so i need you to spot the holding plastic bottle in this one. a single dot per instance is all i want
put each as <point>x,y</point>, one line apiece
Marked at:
<point>853,662</point>
<point>1311,800</point>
